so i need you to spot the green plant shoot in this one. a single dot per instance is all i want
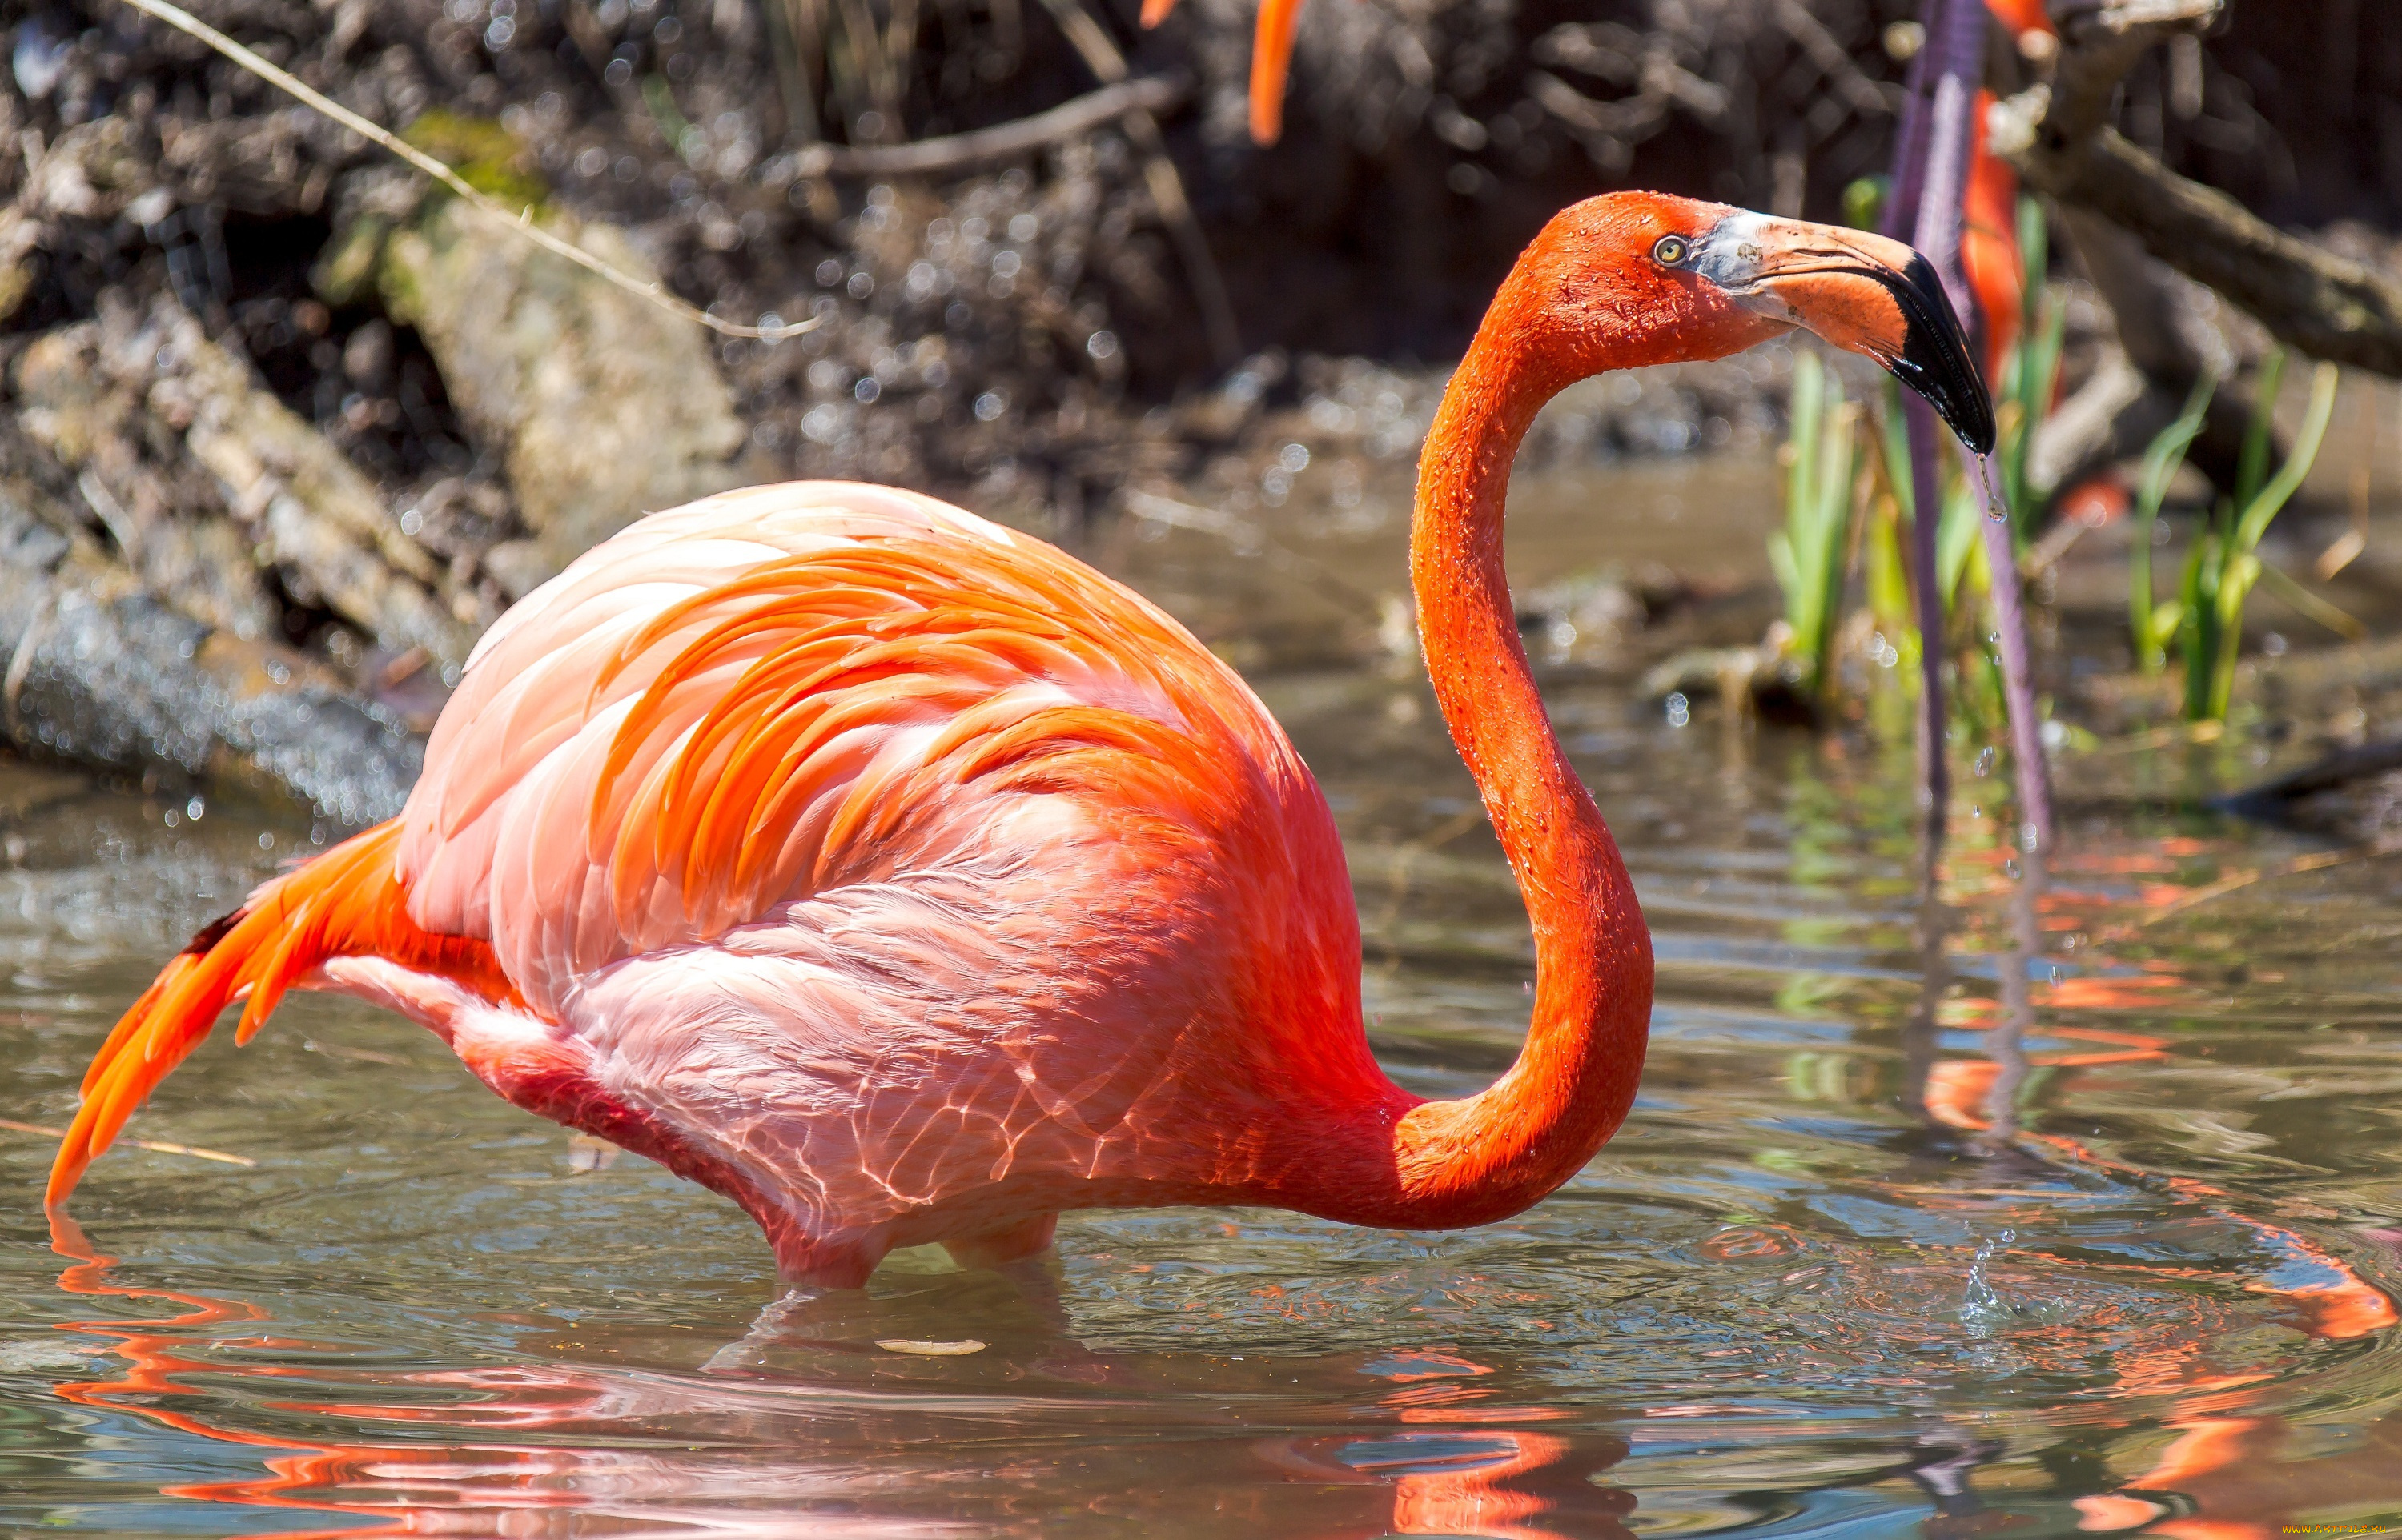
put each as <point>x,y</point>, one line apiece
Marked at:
<point>1809,554</point>
<point>2224,564</point>
<point>2151,625</point>
<point>2031,375</point>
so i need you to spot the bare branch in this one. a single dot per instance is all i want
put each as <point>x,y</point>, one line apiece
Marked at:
<point>2327,306</point>
<point>2323,304</point>
<point>1103,57</point>
<point>1834,61</point>
<point>956,152</point>
<point>2099,42</point>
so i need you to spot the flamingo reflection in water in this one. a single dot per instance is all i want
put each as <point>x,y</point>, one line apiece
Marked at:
<point>541,1447</point>
<point>550,1447</point>
<point>2223,1478</point>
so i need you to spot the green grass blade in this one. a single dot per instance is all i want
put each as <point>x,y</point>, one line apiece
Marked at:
<point>1957,537</point>
<point>2198,599</point>
<point>2161,459</point>
<point>2035,253</point>
<point>1897,449</point>
<point>2254,522</point>
<point>2252,468</point>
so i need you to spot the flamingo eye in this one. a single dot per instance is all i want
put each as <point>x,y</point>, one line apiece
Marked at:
<point>1670,250</point>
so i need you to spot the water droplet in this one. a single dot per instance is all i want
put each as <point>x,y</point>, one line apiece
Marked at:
<point>1982,468</point>
<point>1981,1304</point>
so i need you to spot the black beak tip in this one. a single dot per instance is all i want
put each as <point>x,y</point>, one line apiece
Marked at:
<point>1936,359</point>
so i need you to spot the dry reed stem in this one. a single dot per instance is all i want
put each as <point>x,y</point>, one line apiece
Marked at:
<point>2319,861</point>
<point>160,1146</point>
<point>956,152</point>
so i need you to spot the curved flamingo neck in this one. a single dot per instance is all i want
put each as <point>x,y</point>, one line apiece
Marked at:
<point>1493,1154</point>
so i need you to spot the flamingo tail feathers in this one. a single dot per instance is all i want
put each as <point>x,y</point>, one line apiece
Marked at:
<point>346,903</point>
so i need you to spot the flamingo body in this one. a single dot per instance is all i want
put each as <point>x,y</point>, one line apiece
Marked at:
<point>920,869</point>
<point>889,872</point>
<point>903,879</point>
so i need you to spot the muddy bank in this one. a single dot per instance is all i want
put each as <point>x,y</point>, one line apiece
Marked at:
<point>287,395</point>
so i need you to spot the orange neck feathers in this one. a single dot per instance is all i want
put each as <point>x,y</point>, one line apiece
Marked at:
<point>1491,1155</point>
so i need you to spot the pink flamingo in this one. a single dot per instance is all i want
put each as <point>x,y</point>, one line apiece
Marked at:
<point>905,880</point>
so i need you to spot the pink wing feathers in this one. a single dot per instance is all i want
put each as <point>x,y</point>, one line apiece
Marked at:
<point>785,689</point>
<point>911,873</point>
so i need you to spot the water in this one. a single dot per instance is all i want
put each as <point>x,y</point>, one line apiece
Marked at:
<point>1981,1303</point>
<point>2059,1199</point>
<point>1998,509</point>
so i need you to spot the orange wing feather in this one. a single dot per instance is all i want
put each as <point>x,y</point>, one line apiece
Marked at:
<point>728,809</point>
<point>344,903</point>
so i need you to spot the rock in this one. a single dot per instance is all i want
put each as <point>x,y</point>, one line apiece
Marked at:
<point>1585,618</point>
<point>171,535</point>
<point>92,173</point>
<point>346,269</point>
<point>114,399</point>
<point>21,235</point>
<point>603,406</point>
<point>101,672</point>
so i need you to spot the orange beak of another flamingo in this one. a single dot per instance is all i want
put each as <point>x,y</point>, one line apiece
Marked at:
<point>1861,293</point>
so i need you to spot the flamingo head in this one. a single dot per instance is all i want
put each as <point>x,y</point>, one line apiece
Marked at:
<point>1648,278</point>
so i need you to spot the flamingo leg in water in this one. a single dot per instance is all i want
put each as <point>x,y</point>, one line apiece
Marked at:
<point>1012,1243</point>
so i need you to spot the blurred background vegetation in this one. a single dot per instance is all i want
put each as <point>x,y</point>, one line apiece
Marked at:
<point>277,407</point>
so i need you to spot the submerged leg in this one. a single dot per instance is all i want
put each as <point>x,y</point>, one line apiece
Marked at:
<point>747,1355</point>
<point>1028,1237</point>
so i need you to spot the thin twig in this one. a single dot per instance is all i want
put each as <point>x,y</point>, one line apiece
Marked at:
<point>160,1146</point>
<point>2294,868</point>
<point>957,151</point>
<point>1833,60</point>
<point>1103,58</point>
<point>2047,552</point>
<point>2347,546</point>
<point>20,662</point>
<point>1238,533</point>
<point>2327,613</point>
<point>521,222</point>
<point>1404,859</point>
<point>2157,737</point>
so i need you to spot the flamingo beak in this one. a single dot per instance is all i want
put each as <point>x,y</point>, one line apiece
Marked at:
<point>1862,293</point>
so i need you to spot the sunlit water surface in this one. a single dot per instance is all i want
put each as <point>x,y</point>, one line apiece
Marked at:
<point>2057,1206</point>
